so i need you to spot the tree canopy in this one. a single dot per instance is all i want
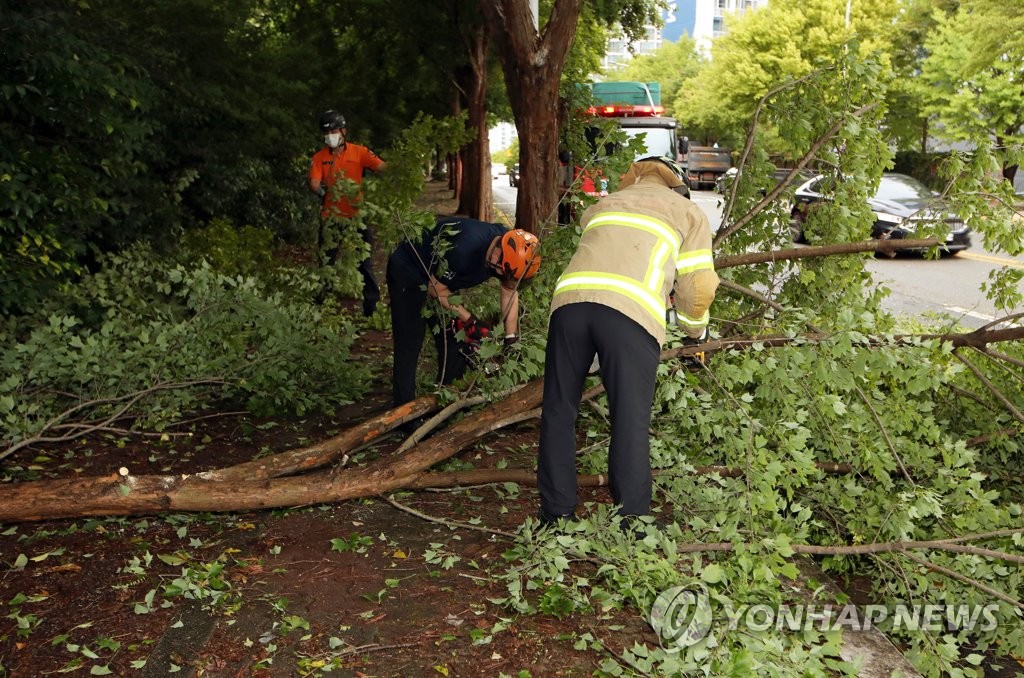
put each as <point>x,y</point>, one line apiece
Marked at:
<point>786,40</point>
<point>969,91</point>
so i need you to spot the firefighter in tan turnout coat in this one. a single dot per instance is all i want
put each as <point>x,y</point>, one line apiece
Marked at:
<point>639,245</point>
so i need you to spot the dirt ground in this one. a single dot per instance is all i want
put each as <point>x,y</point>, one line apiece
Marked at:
<point>361,588</point>
<point>347,585</point>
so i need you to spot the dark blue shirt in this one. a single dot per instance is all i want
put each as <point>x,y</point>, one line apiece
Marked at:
<point>454,251</point>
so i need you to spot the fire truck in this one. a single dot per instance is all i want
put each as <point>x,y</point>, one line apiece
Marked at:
<point>636,107</point>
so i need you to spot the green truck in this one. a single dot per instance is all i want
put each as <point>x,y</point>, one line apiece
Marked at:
<point>637,108</point>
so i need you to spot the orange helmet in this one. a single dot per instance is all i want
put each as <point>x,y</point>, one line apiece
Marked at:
<point>520,256</point>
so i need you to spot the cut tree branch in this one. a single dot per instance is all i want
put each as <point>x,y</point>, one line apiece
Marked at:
<point>774,305</point>
<point>732,260</point>
<point>82,427</point>
<point>775,192</point>
<point>987,383</point>
<point>258,485</point>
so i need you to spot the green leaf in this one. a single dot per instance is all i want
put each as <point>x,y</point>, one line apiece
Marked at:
<point>171,560</point>
<point>100,671</point>
<point>712,574</point>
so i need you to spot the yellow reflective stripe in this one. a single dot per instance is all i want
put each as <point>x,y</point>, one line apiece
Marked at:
<point>594,280</point>
<point>656,270</point>
<point>695,261</point>
<point>700,322</point>
<point>651,225</point>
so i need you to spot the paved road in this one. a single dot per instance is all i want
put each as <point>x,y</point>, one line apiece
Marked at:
<point>919,287</point>
<point>950,286</point>
<point>504,197</point>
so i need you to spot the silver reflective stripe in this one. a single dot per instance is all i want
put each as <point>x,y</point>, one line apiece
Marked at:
<point>651,225</point>
<point>690,322</point>
<point>597,280</point>
<point>695,261</point>
<point>656,270</point>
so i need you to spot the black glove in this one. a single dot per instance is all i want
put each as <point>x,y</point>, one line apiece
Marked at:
<point>322,191</point>
<point>697,360</point>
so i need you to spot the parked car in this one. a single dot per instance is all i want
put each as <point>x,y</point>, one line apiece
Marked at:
<point>725,181</point>
<point>513,176</point>
<point>900,205</point>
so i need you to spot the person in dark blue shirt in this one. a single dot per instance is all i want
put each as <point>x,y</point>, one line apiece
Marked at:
<point>456,254</point>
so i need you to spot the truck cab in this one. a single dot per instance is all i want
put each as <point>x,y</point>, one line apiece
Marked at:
<point>658,134</point>
<point>636,109</point>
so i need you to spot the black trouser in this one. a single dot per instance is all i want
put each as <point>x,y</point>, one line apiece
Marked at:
<point>371,289</point>
<point>629,358</point>
<point>407,328</point>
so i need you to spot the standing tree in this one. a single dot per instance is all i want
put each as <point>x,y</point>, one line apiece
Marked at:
<point>533,55</point>
<point>471,84</point>
<point>975,96</point>
<point>788,39</point>
<point>907,121</point>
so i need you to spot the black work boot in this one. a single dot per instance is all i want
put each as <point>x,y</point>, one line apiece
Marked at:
<point>554,519</point>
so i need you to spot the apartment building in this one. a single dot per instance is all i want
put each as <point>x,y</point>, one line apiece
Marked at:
<point>703,20</point>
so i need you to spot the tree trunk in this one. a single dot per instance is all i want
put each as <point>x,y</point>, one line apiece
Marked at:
<point>533,65</point>
<point>475,200</point>
<point>125,494</point>
<point>454,166</point>
<point>455,159</point>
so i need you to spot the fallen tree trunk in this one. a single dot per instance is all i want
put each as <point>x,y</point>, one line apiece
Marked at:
<point>975,339</point>
<point>125,494</point>
<point>731,260</point>
<point>249,486</point>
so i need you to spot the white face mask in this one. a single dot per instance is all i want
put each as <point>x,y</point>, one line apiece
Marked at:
<point>333,140</point>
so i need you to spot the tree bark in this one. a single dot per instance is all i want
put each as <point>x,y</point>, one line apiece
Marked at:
<point>475,200</point>
<point>532,64</point>
<point>328,451</point>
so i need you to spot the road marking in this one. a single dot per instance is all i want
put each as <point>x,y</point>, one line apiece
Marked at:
<point>988,258</point>
<point>974,314</point>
